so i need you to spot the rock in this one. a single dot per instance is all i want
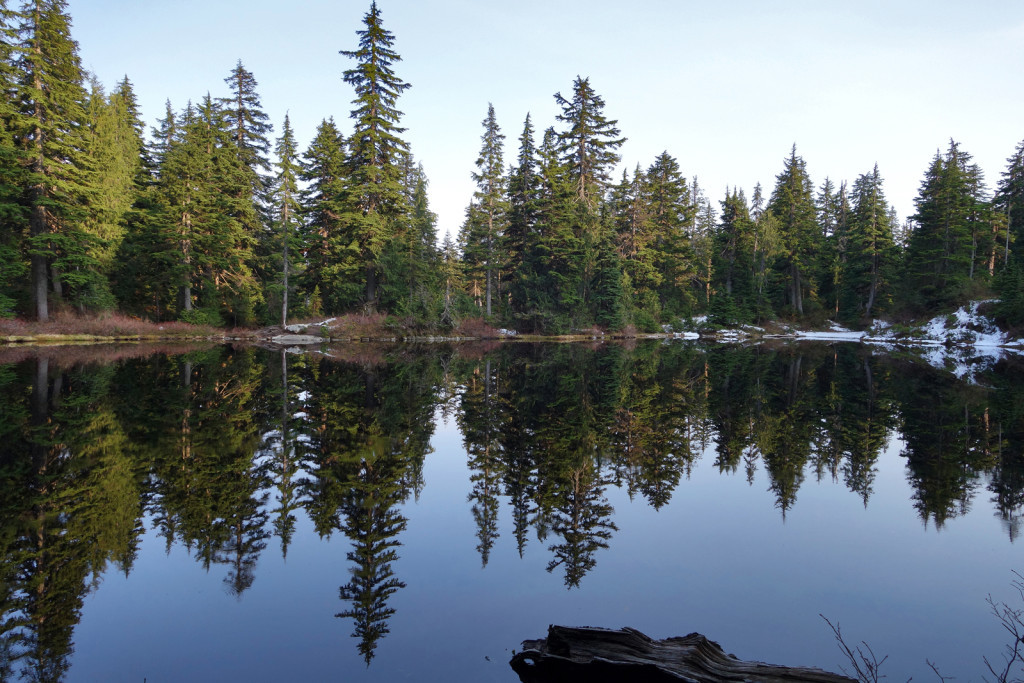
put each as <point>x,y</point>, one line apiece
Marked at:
<point>293,339</point>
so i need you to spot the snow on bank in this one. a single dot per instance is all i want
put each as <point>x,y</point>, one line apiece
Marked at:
<point>835,332</point>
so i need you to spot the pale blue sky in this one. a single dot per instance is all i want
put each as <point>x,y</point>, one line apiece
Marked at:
<point>724,87</point>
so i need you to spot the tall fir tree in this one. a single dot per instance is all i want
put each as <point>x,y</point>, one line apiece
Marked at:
<point>871,254</point>
<point>332,276</point>
<point>520,239</point>
<point>1010,200</point>
<point>114,149</point>
<point>792,204</point>
<point>940,254</point>
<point>732,261</point>
<point>591,288</point>
<point>375,197</point>
<point>491,205</point>
<point>13,214</point>
<point>250,128</point>
<point>589,142</point>
<point>49,128</point>
<point>286,205</point>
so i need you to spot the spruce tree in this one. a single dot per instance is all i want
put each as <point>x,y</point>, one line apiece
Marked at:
<point>733,260</point>
<point>871,253</point>
<point>582,235</point>
<point>114,153</point>
<point>49,128</point>
<point>333,270</point>
<point>942,248</point>
<point>375,197</point>
<point>489,199</point>
<point>792,204</point>
<point>588,143</point>
<point>520,239</point>
<point>286,204</point>
<point>249,127</point>
<point>13,215</point>
<point>673,214</point>
<point>1010,200</point>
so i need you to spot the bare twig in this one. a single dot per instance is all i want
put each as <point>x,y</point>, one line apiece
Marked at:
<point>862,658</point>
<point>1012,619</point>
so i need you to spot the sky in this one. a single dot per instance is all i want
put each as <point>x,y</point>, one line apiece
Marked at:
<point>726,88</point>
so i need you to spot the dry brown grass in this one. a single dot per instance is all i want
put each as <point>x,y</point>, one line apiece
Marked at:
<point>111,325</point>
<point>476,327</point>
<point>361,326</point>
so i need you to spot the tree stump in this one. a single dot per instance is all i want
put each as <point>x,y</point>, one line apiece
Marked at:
<point>597,655</point>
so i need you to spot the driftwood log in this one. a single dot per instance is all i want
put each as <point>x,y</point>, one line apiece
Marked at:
<point>596,655</point>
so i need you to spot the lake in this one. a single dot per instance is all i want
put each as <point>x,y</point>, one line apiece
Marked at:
<point>413,513</point>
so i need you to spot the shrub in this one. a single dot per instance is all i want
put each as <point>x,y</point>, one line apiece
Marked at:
<point>201,316</point>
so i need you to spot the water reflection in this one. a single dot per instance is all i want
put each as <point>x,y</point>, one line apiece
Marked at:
<point>222,450</point>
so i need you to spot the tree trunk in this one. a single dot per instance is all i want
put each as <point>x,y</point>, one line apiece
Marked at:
<point>284,296</point>
<point>39,286</point>
<point>371,289</point>
<point>488,291</point>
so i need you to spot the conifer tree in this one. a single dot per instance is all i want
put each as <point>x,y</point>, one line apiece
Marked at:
<point>13,217</point>
<point>286,204</point>
<point>580,237</point>
<point>733,260</point>
<point>48,126</point>
<point>333,270</point>
<point>701,266</point>
<point>792,204</point>
<point>1010,200</point>
<point>423,256</point>
<point>520,239</point>
<point>375,151</point>
<point>249,127</point>
<point>451,280</point>
<point>491,206</point>
<point>871,252</point>
<point>942,248</point>
<point>588,144</point>
<point>114,153</point>
<point>205,190</point>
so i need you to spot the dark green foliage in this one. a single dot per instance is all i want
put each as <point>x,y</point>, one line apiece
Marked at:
<point>945,246</point>
<point>1009,283</point>
<point>375,200</point>
<point>733,262</point>
<point>792,205</point>
<point>287,209</point>
<point>482,234</point>
<point>1009,200</point>
<point>48,126</point>
<point>333,273</point>
<point>522,237</point>
<point>869,257</point>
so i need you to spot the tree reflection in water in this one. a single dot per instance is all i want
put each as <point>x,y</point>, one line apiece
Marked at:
<point>221,449</point>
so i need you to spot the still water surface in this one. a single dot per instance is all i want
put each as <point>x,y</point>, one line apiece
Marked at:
<point>383,515</point>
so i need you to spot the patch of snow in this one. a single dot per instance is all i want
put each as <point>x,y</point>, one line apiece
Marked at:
<point>685,335</point>
<point>507,333</point>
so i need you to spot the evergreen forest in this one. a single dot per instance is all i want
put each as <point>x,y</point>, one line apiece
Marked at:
<point>217,215</point>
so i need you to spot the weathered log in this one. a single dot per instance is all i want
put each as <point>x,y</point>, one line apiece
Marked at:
<point>596,655</point>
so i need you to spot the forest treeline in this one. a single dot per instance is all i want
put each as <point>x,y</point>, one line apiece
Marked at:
<point>230,452</point>
<point>210,218</point>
